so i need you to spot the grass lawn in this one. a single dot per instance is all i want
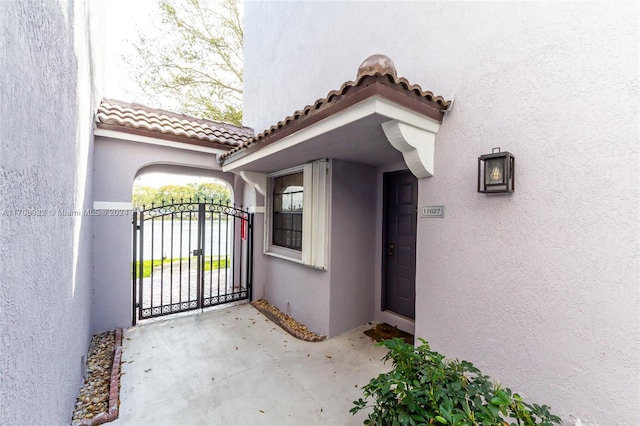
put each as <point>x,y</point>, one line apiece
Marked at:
<point>209,264</point>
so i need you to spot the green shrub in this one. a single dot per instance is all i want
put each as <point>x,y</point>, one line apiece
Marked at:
<point>424,388</point>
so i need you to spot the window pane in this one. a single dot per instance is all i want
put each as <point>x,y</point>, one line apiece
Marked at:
<point>278,237</point>
<point>297,223</point>
<point>277,203</point>
<point>288,223</point>
<point>288,183</point>
<point>286,202</point>
<point>277,221</point>
<point>294,181</point>
<point>287,210</point>
<point>296,201</point>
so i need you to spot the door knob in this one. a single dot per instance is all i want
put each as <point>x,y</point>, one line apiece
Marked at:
<point>391,250</point>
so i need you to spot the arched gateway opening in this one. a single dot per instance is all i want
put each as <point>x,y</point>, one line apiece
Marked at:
<point>131,141</point>
<point>191,244</point>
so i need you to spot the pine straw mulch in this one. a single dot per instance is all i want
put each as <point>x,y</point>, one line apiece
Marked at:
<point>285,321</point>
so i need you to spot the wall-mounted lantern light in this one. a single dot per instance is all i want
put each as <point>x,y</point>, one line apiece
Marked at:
<point>496,172</point>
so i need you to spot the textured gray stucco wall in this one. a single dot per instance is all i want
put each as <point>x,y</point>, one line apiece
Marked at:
<point>540,288</point>
<point>353,216</point>
<point>299,291</point>
<point>331,302</point>
<point>49,83</point>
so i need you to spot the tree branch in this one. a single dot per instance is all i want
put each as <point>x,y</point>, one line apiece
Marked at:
<point>198,59</point>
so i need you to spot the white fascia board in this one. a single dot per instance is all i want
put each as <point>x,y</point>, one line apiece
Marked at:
<point>370,106</point>
<point>153,141</point>
<point>405,115</point>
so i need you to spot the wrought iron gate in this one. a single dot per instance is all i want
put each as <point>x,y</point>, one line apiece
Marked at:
<point>190,255</point>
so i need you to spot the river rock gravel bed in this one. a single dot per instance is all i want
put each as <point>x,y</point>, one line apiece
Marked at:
<point>93,398</point>
<point>285,321</point>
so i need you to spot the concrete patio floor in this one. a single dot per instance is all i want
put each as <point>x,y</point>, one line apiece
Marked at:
<point>235,367</point>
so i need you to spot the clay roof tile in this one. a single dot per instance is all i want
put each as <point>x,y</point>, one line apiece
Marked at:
<point>131,116</point>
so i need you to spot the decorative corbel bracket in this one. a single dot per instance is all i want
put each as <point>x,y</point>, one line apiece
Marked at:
<point>257,180</point>
<point>416,145</point>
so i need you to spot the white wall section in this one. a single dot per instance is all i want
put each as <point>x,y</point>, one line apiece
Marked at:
<point>539,288</point>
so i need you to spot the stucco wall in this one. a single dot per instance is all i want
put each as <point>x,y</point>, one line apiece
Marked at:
<point>117,163</point>
<point>353,216</point>
<point>331,302</point>
<point>299,291</point>
<point>49,86</point>
<point>540,288</point>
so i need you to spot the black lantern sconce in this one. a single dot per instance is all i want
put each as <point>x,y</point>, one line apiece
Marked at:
<point>496,172</point>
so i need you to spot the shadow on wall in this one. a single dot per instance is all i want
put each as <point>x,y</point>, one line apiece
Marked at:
<point>48,94</point>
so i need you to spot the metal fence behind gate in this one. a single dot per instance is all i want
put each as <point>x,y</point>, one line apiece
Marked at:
<point>190,255</point>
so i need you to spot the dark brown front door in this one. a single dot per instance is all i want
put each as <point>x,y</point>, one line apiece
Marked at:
<point>399,243</point>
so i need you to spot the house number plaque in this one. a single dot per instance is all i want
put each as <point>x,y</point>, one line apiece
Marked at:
<point>432,211</point>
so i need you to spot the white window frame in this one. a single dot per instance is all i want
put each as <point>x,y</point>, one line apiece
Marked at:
<point>314,216</point>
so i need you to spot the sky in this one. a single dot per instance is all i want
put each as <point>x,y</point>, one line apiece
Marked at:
<point>123,18</point>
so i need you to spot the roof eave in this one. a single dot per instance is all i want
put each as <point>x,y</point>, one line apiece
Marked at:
<point>375,90</point>
<point>375,105</point>
<point>164,136</point>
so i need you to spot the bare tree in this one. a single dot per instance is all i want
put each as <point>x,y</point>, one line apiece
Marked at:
<point>197,60</point>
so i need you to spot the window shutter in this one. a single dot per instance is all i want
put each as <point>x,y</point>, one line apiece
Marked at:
<point>314,239</point>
